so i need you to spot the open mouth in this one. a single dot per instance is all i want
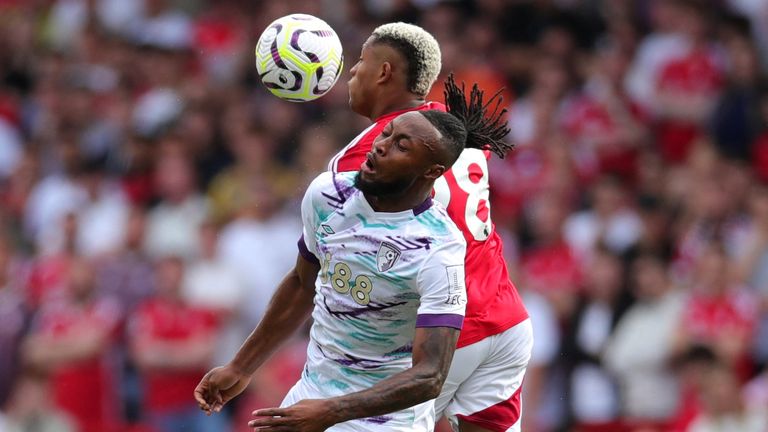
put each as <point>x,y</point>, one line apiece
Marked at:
<point>367,165</point>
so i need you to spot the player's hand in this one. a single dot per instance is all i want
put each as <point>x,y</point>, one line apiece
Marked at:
<point>308,415</point>
<point>218,387</point>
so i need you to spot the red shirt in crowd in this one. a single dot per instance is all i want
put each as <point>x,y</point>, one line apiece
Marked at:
<point>85,389</point>
<point>696,74</point>
<point>168,321</point>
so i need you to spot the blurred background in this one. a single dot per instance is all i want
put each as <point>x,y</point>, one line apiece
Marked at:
<point>149,190</point>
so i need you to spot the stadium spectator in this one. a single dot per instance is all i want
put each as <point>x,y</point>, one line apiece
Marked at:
<point>31,409</point>
<point>14,318</point>
<point>723,406</point>
<point>591,390</point>
<point>72,340</point>
<point>611,221</point>
<point>651,321</point>
<point>172,225</point>
<point>718,314</point>
<point>212,284</point>
<point>548,265</point>
<point>172,344</point>
<point>261,223</point>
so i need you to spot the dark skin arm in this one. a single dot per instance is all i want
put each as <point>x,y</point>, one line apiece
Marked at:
<point>433,350</point>
<point>289,308</point>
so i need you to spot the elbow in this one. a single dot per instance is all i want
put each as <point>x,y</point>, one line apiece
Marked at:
<point>431,383</point>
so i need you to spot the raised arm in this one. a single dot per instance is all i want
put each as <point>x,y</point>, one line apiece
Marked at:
<point>287,311</point>
<point>433,349</point>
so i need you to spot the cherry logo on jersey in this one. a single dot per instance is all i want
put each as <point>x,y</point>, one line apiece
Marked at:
<point>387,256</point>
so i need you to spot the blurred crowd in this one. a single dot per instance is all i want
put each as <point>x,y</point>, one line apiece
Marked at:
<point>149,190</point>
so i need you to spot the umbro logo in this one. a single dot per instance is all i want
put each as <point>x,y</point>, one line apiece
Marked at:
<point>327,229</point>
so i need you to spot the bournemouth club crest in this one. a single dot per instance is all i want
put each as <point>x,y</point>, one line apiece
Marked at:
<point>387,256</point>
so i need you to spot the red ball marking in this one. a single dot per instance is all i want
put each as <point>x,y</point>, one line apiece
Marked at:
<point>475,173</point>
<point>482,210</point>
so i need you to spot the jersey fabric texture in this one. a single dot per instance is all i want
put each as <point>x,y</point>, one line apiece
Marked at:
<point>382,275</point>
<point>494,304</point>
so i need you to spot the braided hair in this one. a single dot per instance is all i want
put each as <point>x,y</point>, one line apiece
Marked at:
<point>466,123</point>
<point>483,131</point>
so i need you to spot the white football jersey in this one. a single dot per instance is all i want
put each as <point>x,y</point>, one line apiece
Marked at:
<point>382,275</point>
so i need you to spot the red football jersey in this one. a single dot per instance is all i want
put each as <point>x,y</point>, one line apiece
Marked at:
<point>167,321</point>
<point>493,302</point>
<point>84,389</point>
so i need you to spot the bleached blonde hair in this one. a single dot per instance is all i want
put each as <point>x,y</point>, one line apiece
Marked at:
<point>420,50</point>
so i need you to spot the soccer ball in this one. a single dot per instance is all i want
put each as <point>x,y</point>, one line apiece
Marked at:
<point>299,57</point>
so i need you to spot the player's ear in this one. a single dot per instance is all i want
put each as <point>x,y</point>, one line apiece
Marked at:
<point>434,172</point>
<point>385,72</point>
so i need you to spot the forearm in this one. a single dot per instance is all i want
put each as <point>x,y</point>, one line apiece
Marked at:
<point>287,311</point>
<point>396,393</point>
<point>418,384</point>
<point>175,355</point>
<point>45,351</point>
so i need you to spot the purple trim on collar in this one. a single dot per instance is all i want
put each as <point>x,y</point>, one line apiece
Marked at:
<point>421,208</point>
<point>440,320</point>
<point>306,253</point>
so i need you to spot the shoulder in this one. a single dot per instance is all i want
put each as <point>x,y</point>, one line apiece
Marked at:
<point>327,193</point>
<point>440,225</point>
<point>329,182</point>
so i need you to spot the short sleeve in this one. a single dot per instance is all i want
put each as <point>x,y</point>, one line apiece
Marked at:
<point>307,243</point>
<point>441,286</point>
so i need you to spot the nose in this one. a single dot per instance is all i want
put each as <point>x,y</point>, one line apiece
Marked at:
<point>353,70</point>
<point>380,146</point>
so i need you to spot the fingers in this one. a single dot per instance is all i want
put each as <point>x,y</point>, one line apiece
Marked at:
<point>201,400</point>
<point>276,412</point>
<point>271,423</point>
<point>272,419</point>
<point>208,398</point>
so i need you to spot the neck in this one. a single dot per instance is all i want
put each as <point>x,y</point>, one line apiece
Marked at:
<point>394,203</point>
<point>392,104</point>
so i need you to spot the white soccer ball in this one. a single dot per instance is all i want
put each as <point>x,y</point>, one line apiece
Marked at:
<point>299,57</point>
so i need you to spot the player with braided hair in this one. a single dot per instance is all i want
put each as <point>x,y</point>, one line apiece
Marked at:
<point>397,66</point>
<point>381,270</point>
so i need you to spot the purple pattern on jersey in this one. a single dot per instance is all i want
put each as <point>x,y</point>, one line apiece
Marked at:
<point>371,307</point>
<point>407,349</point>
<point>440,320</point>
<point>411,245</point>
<point>402,244</point>
<point>378,419</point>
<point>342,194</point>
<point>349,360</point>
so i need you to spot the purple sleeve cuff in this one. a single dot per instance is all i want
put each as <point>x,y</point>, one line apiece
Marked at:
<point>305,252</point>
<point>440,320</point>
